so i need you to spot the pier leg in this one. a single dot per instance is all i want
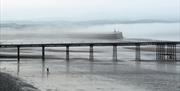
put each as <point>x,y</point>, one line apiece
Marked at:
<point>138,53</point>
<point>43,53</point>
<point>115,53</point>
<point>160,52</point>
<point>91,53</point>
<point>18,62</point>
<point>171,51</point>
<point>18,53</point>
<point>163,53</point>
<point>67,53</point>
<point>175,53</point>
<point>157,52</point>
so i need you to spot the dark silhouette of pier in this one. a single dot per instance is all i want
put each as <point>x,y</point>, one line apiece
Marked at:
<point>165,50</point>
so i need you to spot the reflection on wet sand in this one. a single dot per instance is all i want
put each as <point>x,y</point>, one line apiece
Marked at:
<point>90,65</point>
<point>43,68</point>
<point>167,67</point>
<point>18,68</point>
<point>67,67</point>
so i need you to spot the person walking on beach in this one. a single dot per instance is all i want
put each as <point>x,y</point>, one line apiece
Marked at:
<point>47,70</point>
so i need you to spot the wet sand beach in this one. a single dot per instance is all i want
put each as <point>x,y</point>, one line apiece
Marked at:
<point>103,74</point>
<point>10,83</point>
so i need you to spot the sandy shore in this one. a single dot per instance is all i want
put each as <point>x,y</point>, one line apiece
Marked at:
<point>10,83</point>
<point>101,75</point>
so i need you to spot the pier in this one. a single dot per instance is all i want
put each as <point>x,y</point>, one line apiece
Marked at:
<point>165,51</point>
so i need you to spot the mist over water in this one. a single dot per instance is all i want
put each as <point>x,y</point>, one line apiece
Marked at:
<point>33,32</point>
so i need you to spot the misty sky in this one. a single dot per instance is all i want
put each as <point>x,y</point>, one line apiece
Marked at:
<point>89,9</point>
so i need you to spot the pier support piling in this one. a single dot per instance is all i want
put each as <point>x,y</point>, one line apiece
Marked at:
<point>138,52</point>
<point>175,52</point>
<point>18,58</point>
<point>171,52</point>
<point>43,53</point>
<point>91,53</point>
<point>161,52</point>
<point>157,52</point>
<point>18,53</point>
<point>115,53</point>
<point>67,53</point>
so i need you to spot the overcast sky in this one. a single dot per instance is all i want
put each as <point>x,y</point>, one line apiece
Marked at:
<point>89,9</point>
